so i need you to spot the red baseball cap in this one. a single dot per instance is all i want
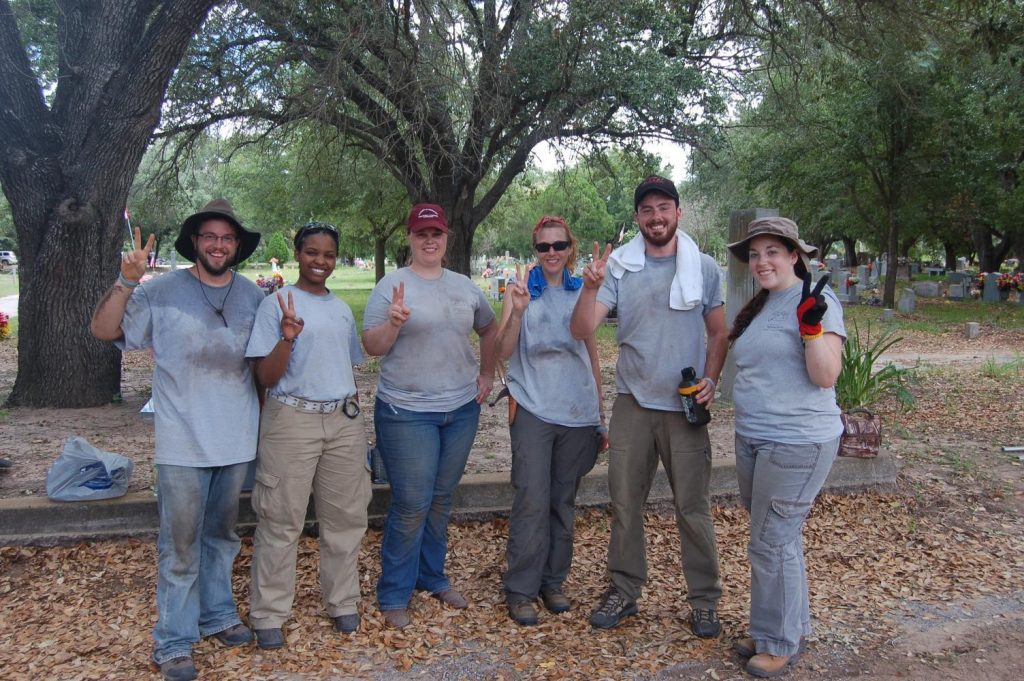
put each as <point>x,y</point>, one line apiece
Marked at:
<point>426,216</point>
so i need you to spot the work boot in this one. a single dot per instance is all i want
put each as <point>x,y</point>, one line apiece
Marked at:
<point>555,601</point>
<point>237,635</point>
<point>452,598</point>
<point>269,639</point>
<point>522,611</point>
<point>615,606</point>
<point>397,619</point>
<point>178,669</point>
<point>346,624</point>
<point>745,647</point>
<point>768,666</point>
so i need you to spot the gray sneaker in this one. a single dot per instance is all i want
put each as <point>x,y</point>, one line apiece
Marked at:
<point>704,623</point>
<point>615,606</point>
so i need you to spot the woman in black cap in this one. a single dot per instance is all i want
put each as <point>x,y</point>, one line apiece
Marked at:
<point>787,343</point>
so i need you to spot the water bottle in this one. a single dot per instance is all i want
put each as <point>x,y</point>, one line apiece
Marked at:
<point>696,413</point>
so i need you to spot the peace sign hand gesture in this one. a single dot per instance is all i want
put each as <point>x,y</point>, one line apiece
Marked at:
<point>593,274</point>
<point>517,293</point>
<point>398,312</point>
<point>291,324</point>
<point>811,308</point>
<point>133,265</point>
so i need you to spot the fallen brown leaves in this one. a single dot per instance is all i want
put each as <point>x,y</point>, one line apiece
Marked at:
<point>85,611</point>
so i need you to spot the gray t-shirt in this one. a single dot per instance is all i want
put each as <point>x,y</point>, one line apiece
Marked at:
<point>204,396</point>
<point>431,366</point>
<point>549,374</point>
<point>656,342</point>
<point>774,397</point>
<point>320,367</point>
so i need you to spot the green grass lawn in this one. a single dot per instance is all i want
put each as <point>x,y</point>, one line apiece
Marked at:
<point>8,283</point>
<point>935,315</point>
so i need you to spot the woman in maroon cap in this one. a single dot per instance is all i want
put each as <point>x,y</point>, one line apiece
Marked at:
<point>418,318</point>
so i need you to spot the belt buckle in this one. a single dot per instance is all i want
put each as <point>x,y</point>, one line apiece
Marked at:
<point>350,408</point>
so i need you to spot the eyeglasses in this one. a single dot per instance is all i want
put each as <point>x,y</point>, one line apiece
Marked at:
<point>210,239</point>
<point>544,247</point>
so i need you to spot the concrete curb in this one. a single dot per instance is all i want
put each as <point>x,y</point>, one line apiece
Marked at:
<point>34,520</point>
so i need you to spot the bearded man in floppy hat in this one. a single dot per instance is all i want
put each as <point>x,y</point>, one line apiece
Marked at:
<point>197,321</point>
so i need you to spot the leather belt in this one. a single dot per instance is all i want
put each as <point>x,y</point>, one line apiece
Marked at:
<point>348,405</point>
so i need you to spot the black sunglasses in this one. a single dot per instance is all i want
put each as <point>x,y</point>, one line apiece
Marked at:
<point>311,227</point>
<point>544,247</point>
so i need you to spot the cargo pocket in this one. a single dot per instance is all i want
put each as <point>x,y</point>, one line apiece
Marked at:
<point>266,483</point>
<point>783,521</point>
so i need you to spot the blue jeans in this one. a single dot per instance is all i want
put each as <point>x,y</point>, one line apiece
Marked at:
<point>425,454</point>
<point>196,550</point>
<point>778,483</point>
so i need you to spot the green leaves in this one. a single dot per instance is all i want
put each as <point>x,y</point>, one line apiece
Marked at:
<point>859,384</point>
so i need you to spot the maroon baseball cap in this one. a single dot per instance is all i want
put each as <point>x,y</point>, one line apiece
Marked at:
<point>426,216</point>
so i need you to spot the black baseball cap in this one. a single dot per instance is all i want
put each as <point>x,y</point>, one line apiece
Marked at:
<point>655,183</point>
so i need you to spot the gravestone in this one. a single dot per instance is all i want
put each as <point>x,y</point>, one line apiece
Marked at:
<point>874,272</point>
<point>883,266</point>
<point>927,289</point>
<point>990,292</point>
<point>862,275</point>
<point>902,273</point>
<point>888,315</point>
<point>972,329</point>
<point>961,264</point>
<point>907,302</point>
<point>915,268</point>
<point>956,278</point>
<point>959,291</point>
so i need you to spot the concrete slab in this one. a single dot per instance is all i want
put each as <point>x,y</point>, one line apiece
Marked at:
<point>33,520</point>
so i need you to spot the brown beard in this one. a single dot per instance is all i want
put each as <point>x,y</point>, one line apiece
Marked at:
<point>670,234</point>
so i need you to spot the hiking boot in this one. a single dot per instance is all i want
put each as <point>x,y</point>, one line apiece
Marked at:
<point>704,623</point>
<point>178,669</point>
<point>745,647</point>
<point>768,666</point>
<point>522,611</point>
<point>346,624</point>
<point>614,607</point>
<point>237,635</point>
<point>555,601</point>
<point>397,619</point>
<point>452,598</point>
<point>269,639</point>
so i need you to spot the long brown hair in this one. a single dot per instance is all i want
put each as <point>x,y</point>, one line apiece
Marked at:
<point>754,306</point>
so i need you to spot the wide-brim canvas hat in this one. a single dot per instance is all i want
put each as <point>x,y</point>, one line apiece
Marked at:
<point>218,209</point>
<point>784,228</point>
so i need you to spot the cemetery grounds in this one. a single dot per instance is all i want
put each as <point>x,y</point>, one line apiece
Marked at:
<point>925,582</point>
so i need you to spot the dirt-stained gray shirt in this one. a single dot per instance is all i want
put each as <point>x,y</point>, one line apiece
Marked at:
<point>204,396</point>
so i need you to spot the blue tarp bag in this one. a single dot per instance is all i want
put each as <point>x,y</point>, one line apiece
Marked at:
<point>84,473</point>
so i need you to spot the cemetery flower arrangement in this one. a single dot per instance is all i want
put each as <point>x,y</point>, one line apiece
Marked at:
<point>852,281</point>
<point>1010,282</point>
<point>5,326</point>
<point>271,283</point>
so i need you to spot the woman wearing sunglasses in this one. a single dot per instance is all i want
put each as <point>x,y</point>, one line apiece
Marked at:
<point>304,344</point>
<point>556,424</point>
<point>419,319</point>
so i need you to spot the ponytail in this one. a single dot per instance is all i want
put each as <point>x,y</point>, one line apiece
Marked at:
<point>747,314</point>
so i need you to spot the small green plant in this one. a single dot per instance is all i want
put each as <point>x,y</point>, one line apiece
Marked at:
<point>992,368</point>
<point>859,384</point>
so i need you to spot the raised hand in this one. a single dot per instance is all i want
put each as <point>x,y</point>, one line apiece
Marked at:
<point>133,265</point>
<point>811,308</point>
<point>398,312</point>
<point>517,293</point>
<point>593,274</point>
<point>291,324</point>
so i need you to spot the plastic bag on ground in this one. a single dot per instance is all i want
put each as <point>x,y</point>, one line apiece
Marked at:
<point>84,473</point>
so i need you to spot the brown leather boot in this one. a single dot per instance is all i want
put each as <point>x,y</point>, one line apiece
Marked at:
<point>768,666</point>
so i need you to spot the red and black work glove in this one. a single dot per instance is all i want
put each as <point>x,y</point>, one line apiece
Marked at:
<point>811,308</point>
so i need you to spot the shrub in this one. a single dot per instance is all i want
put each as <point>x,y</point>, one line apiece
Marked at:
<point>859,384</point>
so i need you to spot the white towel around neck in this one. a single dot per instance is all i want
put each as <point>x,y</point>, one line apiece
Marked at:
<point>688,283</point>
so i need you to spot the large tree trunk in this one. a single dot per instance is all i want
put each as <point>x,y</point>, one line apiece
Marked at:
<point>66,166</point>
